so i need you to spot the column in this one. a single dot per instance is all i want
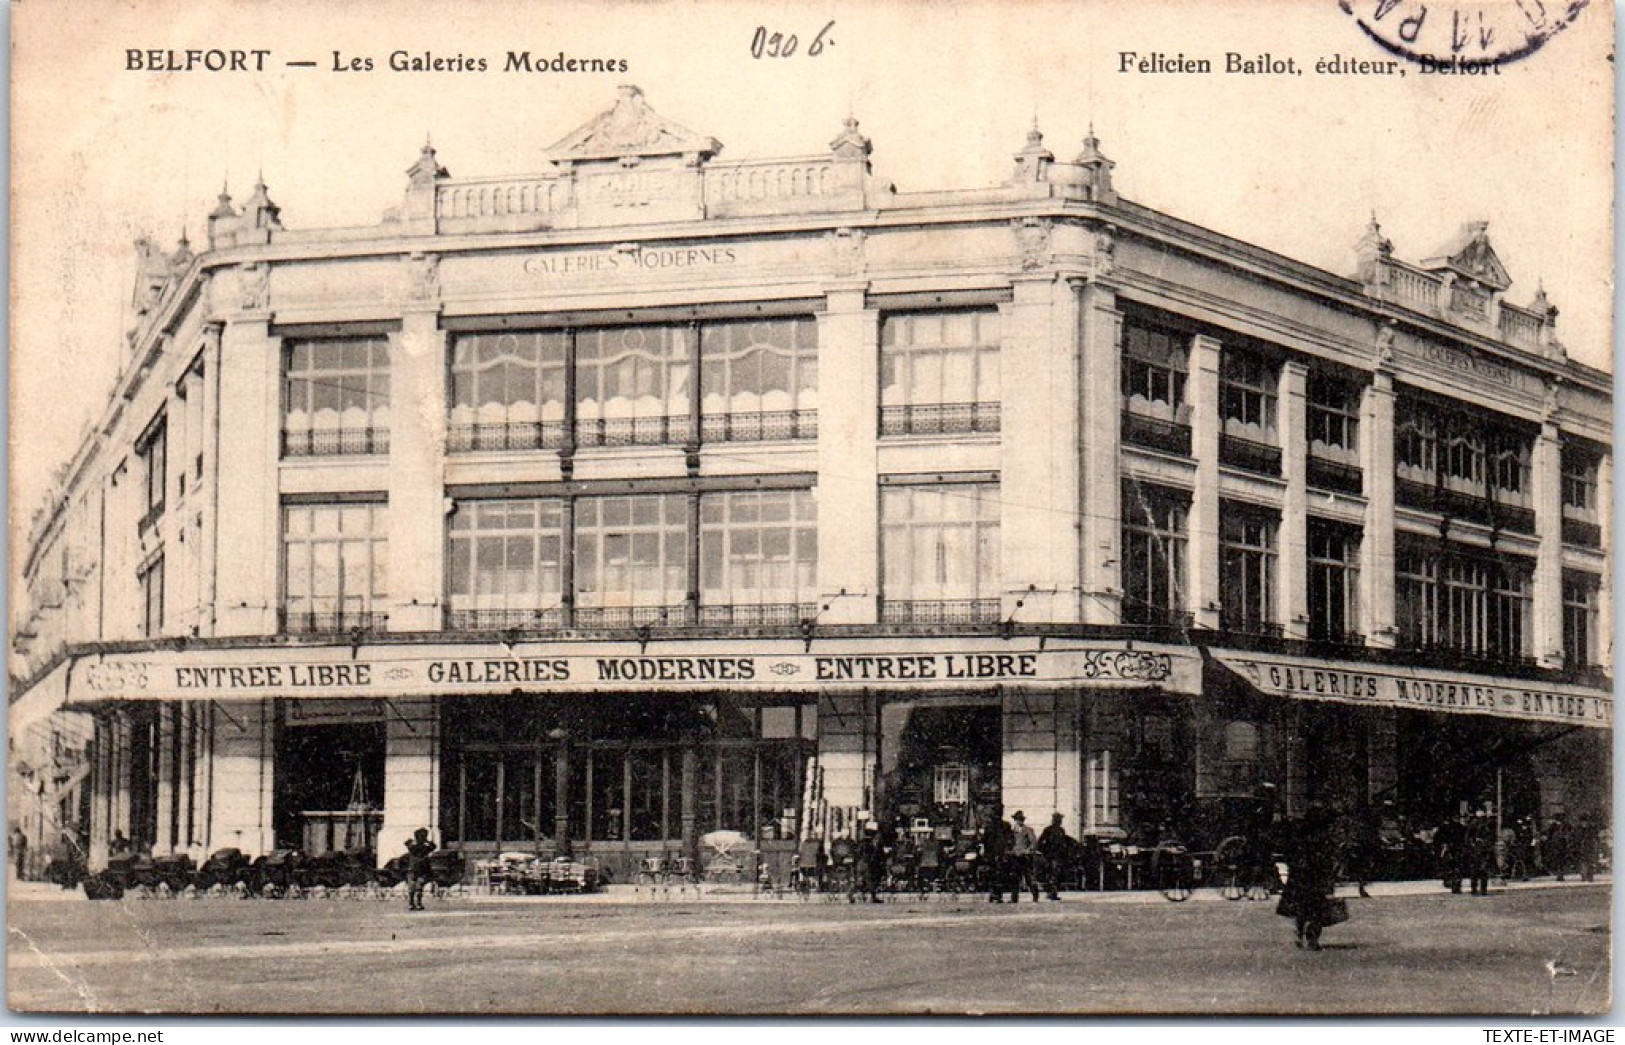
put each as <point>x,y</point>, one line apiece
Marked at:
<point>848,465</point>
<point>164,840</point>
<point>1040,764</point>
<point>1377,541</point>
<point>411,773</point>
<point>247,527</point>
<point>244,775</point>
<point>417,521</point>
<point>1605,591</point>
<point>1292,539</point>
<point>208,608</point>
<point>1547,484</point>
<point>1202,547</point>
<point>1038,452</point>
<point>1100,496</point>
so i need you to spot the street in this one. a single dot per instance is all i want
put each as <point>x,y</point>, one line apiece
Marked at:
<point>1411,949</point>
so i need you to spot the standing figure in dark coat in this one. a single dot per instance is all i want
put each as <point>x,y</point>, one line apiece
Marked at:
<point>1056,856</point>
<point>1480,852</point>
<point>997,838</point>
<point>417,867</point>
<point>1587,846</point>
<point>1557,849</point>
<point>1450,842</point>
<point>1311,876</point>
<point>871,865</point>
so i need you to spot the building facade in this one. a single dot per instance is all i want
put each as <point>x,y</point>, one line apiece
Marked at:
<point>656,494</point>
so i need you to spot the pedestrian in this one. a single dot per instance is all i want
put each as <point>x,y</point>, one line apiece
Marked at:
<point>1023,851</point>
<point>1450,842</point>
<point>1558,846</point>
<point>870,865</point>
<point>417,867</point>
<point>1480,853</point>
<point>19,851</point>
<point>1056,854</point>
<point>1586,846</point>
<point>1364,847</point>
<point>1312,876</point>
<point>996,842</point>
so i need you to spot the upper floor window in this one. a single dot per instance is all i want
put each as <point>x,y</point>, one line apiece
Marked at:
<point>1334,418</point>
<point>1155,362</point>
<point>336,397</point>
<point>1247,393</point>
<point>505,564</point>
<point>1579,483</point>
<point>759,379</point>
<point>1247,569</point>
<point>1154,537</point>
<point>1459,599</point>
<point>631,560</point>
<point>758,556</point>
<point>1463,464</point>
<point>1334,575</point>
<point>507,391</point>
<point>939,372</point>
<point>1416,444</point>
<point>335,566</point>
<point>633,385</point>
<point>1580,618</point>
<point>1509,457</point>
<point>151,579</point>
<point>939,550</point>
<point>153,450</point>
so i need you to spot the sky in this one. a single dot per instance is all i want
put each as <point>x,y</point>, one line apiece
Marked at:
<point>946,91</point>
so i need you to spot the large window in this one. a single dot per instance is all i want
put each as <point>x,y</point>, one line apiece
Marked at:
<point>631,560</point>
<point>1334,606</point>
<point>151,579</point>
<point>1247,392</point>
<point>1154,367</point>
<point>1580,619</point>
<point>507,391</point>
<point>1460,600</point>
<point>1579,484</point>
<point>1334,418</point>
<point>939,372</point>
<point>633,385</point>
<point>1153,555</point>
<point>336,397</point>
<point>505,568</point>
<point>939,545</point>
<point>153,450</point>
<point>1247,569</point>
<point>759,380</point>
<point>758,557</point>
<point>1416,445</point>
<point>335,566</point>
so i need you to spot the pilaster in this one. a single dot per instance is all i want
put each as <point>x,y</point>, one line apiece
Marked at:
<point>1377,542</point>
<point>1546,474</point>
<point>1038,460</point>
<point>411,773</point>
<point>417,441</point>
<point>1202,549</point>
<point>848,460</point>
<point>243,783</point>
<point>1292,540</point>
<point>1100,496</point>
<point>247,528</point>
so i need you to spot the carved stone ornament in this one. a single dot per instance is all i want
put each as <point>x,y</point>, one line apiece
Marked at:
<point>1105,250</point>
<point>845,251</point>
<point>423,277</point>
<point>1033,242</point>
<point>254,286</point>
<point>1385,345</point>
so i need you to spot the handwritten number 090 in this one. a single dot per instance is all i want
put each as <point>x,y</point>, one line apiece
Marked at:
<point>777,45</point>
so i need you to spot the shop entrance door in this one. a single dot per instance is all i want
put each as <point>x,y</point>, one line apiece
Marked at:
<point>939,765</point>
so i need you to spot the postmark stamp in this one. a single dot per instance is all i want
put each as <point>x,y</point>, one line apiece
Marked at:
<point>1466,37</point>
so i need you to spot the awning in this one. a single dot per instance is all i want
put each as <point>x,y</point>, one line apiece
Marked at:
<point>1420,689</point>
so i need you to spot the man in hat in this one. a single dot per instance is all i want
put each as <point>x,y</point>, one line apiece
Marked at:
<point>1055,854</point>
<point>1023,847</point>
<point>417,867</point>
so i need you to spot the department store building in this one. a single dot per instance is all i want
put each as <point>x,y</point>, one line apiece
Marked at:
<point>656,493</point>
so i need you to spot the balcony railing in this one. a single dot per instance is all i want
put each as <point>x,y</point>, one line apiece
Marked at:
<point>504,620</point>
<point>668,430</point>
<point>1337,476</point>
<point>1513,517</point>
<point>334,442</point>
<point>1156,433</point>
<point>1163,617</point>
<point>758,615</point>
<point>1581,533</point>
<point>1257,629</point>
<point>939,611</point>
<point>675,616</point>
<point>1249,455</point>
<point>939,418</point>
<point>504,435</point>
<point>1322,637</point>
<point>759,427</point>
<point>299,622</point>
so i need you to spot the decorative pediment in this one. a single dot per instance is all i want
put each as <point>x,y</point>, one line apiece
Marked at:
<point>630,130</point>
<point>1474,259</point>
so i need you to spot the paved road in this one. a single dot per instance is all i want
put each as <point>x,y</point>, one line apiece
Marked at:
<point>1411,949</point>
